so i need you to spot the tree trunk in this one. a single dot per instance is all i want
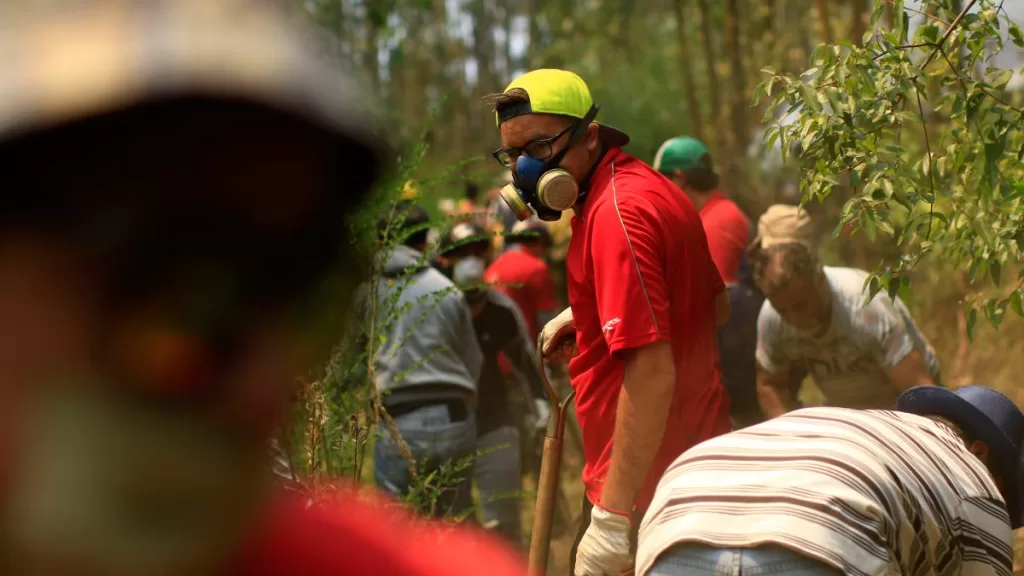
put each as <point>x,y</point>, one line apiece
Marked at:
<point>374,20</point>
<point>801,37</point>
<point>626,10</point>
<point>826,23</point>
<point>858,13</point>
<point>686,66</point>
<point>739,100</point>
<point>709,56</point>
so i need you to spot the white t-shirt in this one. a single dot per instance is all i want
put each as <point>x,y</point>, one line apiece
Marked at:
<point>850,362</point>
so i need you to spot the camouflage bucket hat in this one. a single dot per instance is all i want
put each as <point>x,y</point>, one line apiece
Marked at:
<point>101,57</point>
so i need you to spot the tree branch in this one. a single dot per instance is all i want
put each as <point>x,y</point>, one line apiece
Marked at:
<point>949,32</point>
<point>931,169</point>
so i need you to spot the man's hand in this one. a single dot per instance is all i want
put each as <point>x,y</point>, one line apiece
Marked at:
<point>604,549</point>
<point>558,338</point>
<point>773,392</point>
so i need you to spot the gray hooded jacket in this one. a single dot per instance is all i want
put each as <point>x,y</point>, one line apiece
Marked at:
<point>428,329</point>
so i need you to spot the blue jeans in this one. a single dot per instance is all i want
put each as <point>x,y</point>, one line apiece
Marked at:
<point>693,559</point>
<point>434,439</point>
<point>499,481</point>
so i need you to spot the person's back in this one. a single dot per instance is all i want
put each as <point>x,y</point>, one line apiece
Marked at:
<point>727,229</point>
<point>672,225</point>
<point>866,492</point>
<point>430,341</point>
<point>848,361</point>
<point>427,368</point>
<point>526,279</point>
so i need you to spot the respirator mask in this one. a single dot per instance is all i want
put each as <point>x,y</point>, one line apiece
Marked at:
<point>542,184</point>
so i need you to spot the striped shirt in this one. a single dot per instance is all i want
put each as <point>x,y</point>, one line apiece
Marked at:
<point>869,492</point>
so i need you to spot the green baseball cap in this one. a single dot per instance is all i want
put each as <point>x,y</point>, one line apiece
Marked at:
<point>681,153</point>
<point>559,92</point>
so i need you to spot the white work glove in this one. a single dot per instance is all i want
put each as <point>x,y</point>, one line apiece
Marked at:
<point>543,413</point>
<point>558,338</point>
<point>604,549</point>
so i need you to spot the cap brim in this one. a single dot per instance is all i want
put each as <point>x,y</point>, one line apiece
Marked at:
<point>612,137</point>
<point>939,401</point>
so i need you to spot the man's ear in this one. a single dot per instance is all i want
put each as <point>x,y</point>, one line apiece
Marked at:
<point>679,177</point>
<point>591,140</point>
<point>980,450</point>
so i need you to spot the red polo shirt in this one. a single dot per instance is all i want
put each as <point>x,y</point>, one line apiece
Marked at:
<point>728,232</point>
<point>527,280</point>
<point>639,271</point>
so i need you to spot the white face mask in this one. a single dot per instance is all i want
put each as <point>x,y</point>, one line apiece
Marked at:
<point>126,489</point>
<point>469,270</point>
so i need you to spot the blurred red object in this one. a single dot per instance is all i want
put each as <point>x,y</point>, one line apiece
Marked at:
<point>340,530</point>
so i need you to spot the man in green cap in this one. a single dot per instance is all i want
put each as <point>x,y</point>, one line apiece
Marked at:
<point>687,163</point>
<point>177,176</point>
<point>646,374</point>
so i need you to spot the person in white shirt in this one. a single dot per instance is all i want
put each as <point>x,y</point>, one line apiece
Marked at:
<point>932,489</point>
<point>816,318</point>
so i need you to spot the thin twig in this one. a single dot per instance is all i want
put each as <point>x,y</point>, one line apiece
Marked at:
<point>963,84</point>
<point>931,169</point>
<point>949,32</point>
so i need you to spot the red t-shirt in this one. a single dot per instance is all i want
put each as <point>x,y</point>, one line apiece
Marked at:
<point>527,280</point>
<point>639,271</point>
<point>351,536</point>
<point>728,232</point>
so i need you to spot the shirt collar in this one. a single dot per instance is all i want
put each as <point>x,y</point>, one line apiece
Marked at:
<point>599,180</point>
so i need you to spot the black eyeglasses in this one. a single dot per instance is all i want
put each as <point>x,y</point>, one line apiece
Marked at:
<point>539,149</point>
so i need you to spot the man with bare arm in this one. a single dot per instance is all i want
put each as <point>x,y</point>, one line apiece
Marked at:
<point>861,354</point>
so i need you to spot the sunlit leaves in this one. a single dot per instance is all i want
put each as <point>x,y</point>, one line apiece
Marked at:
<point>925,141</point>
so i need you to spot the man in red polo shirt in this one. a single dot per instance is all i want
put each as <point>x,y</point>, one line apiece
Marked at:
<point>687,163</point>
<point>646,374</point>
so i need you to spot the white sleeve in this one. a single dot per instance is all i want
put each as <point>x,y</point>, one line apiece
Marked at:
<point>885,325</point>
<point>771,353</point>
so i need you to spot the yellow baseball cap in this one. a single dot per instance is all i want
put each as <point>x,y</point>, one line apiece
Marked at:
<point>558,92</point>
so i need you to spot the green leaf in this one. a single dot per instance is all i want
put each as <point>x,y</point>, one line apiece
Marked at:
<point>904,291</point>
<point>1001,79</point>
<point>996,270</point>
<point>810,98</point>
<point>867,223</point>
<point>1016,35</point>
<point>1015,303</point>
<point>929,33</point>
<point>874,287</point>
<point>972,320</point>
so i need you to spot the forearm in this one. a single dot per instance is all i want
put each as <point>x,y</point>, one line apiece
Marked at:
<point>911,371</point>
<point>640,421</point>
<point>773,395</point>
